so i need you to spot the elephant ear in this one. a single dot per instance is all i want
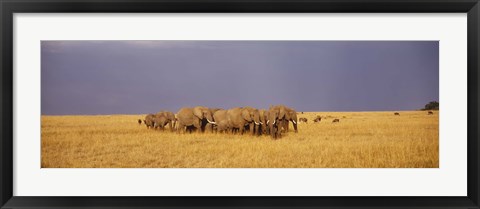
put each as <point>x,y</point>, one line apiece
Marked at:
<point>209,114</point>
<point>197,111</point>
<point>245,114</point>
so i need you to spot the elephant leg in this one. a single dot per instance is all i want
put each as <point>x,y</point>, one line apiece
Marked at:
<point>170,125</point>
<point>279,132</point>
<point>252,129</point>
<point>272,132</point>
<point>198,126</point>
<point>209,128</point>
<point>295,126</point>
<point>180,126</point>
<point>279,135</point>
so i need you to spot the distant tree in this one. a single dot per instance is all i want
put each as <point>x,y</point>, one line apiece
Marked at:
<point>432,106</point>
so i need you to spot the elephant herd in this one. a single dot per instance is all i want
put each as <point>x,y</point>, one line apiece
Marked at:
<point>273,121</point>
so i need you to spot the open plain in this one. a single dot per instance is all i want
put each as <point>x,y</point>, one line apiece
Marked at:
<point>358,140</point>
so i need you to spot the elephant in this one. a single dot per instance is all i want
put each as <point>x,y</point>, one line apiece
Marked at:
<point>255,125</point>
<point>336,120</point>
<point>139,122</point>
<point>220,117</point>
<point>276,118</point>
<point>397,113</point>
<point>210,127</point>
<point>170,117</point>
<point>159,121</point>
<point>149,120</point>
<point>240,117</point>
<point>222,126</point>
<point>291,115</point>
<point>263,119</point>
<point>317,119</point>
<point>430,112</point>
<point>198,117</point>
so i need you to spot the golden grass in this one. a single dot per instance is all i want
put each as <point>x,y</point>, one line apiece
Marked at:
<point>359,140</point>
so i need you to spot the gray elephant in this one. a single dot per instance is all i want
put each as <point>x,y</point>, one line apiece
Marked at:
<point>210,127</point>
<point>291,115</point>
<point>170,117</point>
<point>148,121</point>
<point>254,125</point>
<point>197,117</point>
<point>276,119</point>
<point>239,118</point>
<point>160,121</point>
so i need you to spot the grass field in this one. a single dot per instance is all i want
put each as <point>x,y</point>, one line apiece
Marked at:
<point>359,140</point>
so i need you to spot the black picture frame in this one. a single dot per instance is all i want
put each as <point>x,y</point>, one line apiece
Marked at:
<point>9,7</point>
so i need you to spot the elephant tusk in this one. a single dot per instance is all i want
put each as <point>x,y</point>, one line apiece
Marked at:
<point>261,123</point>
<point>294,122</point>
<point>274,122</point>
<point>211,122</point>
<point>256,123</point>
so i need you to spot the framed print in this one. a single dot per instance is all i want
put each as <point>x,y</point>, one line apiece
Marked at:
<point>247,104</point>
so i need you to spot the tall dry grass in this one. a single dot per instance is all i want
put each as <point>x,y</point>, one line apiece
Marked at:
<point>359,140</point>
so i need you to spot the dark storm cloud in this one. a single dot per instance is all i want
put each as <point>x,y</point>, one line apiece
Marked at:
<point>127,77</point>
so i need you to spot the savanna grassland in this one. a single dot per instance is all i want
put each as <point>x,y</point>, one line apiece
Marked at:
<point>359,140</point>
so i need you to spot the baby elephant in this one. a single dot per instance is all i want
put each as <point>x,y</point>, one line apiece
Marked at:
<point>149,120</point>
<point>159,122</point>
<point>222,126</point>
<point>336,120</point>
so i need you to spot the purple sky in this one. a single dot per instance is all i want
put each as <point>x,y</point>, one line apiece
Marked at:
<point>133,77</point>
